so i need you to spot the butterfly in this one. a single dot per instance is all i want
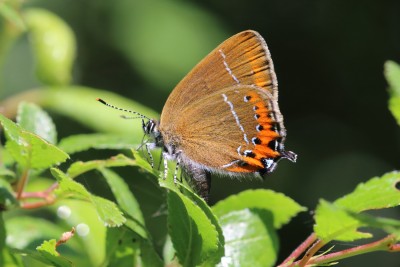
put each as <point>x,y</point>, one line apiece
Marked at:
<point>224,117</point>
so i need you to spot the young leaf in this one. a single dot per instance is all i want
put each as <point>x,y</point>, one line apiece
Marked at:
<point>35,120</point>
<point>80,167</point>
<point>48,251</point>
<point>335,223</point>
<point>194,237</point>
<point>261,199</point>
<point>123,195</point>
<point>106,209</point>
<point>377,193</point>
<point>250,238</point>
<point>82,142</point>
<point>30,150</point>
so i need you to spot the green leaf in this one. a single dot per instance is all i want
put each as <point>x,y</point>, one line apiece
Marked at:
<point>54,45</point>
<point>48,250</point>
<point>3,236</point>
<point>79,103</point>
<point>377,193</point>
<point>35,120</point>
<point>82,142</point>
<point>67,185</point>
<point>394,107</point>
<point>107,210</point>
<point>122,248</point>
<point>335,223</point>
<point>261,199</point>
<point>250,238</point>
<point>392,74</point>
<point>194,237</point>
<point>125,199</point>
<point>30,150</point>
<point>80,167</point>
<point>7,199</point>
<point>125,248</point>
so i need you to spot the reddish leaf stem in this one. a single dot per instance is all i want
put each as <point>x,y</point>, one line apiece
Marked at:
<point>310,253</point>
<point>299,250</point>
<point>22,182</point>
<point>46,195</point>
<point>386,244</point>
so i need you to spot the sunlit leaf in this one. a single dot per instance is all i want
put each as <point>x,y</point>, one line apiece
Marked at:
<point>48,251</point>
<point>30,150</point>
<point>376,193</point>
<point>250,238</point>
<point>82,142</point>
<point>282,207</point>
<point>194,237</point>
<point>80,167</point>
<point>35,120</point>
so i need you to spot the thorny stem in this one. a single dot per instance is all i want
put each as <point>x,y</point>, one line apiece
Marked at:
<point>300,250</point>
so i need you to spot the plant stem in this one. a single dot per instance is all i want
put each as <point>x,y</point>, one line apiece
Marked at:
<point>385,244</point>
<point>310,253</point>
<point>299,250</point>
<point>47,196</point>
<point>22,182</point>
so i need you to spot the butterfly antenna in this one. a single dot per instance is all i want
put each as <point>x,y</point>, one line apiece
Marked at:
<point>122,109</point>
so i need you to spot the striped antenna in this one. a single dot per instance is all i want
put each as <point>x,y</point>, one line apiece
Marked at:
<point>139,116</point>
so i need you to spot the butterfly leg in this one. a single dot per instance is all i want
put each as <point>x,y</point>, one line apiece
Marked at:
<point>165,165</point>
<point>150,146</point>
<point>176,171</point>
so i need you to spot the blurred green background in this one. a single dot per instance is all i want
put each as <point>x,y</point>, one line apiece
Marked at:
<point>328,56</point>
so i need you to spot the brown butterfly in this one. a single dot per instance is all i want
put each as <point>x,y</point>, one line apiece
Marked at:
<point>223,117</point>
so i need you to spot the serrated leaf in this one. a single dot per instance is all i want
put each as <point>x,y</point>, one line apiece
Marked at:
<point>80,167</point>
<point>67,185</point>
<point>35,120</point>
<point>250,238</point>
<point>125,200</point>
<point>392,74</point>
<point>82,142</point>
<point>108,211</point>
<point>376,193</point>
<point>282,207</point>
<point>335,223</point>
<point>30,150</point>
<point>48,250</point>
<point>194,237</point>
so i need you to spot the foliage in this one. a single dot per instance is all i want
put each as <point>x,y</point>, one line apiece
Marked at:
<point>38,173</point>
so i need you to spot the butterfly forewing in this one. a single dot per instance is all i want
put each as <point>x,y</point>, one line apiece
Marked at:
<point>242,59</point>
